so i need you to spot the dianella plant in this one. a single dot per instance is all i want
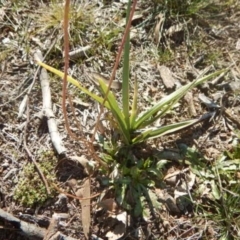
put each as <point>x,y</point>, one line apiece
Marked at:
<point>135,126</point>
<point>131,177</point>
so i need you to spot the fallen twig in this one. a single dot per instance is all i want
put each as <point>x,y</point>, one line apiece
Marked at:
<point>73,196</point>
<point>31,230</point>
<point>26,229</point>
<point>22,106</point>
<point>47,107</point>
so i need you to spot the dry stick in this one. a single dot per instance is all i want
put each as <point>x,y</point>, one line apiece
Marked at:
<point>47,107</point>
<point>30,230</point>
<point>73,196</point>
<point>115,65</point>
<point>30,154</point>
<point>23,104</point>
<point>27,229</point>
<point>47,103</point>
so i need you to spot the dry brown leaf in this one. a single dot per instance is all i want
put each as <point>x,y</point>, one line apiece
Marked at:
<point>94,77</point>
<point>191,108</point>
<point>191,178</point>
<point>85,204</point>
<point>166,76</point>
<point>136,16</point>
<point>173,29</point>
<point>84,162</point>
<point>171,205</point>
<point>72,183</point>
<point>186,185</point>
<point>109,205</point>
<point>80,102</point>
<point>159,28</point>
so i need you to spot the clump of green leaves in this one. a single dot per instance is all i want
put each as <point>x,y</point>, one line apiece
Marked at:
<point>218,194</point>
<point>135,127</point>
<point>106,37</point>
<point>132,177</point>
<point>30,188</point>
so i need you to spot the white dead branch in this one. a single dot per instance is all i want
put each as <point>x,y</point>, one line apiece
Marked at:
<point>47,107</point>
<point>26,229</point>
<point>32,231</point>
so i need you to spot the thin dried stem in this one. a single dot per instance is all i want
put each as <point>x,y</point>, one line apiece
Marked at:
<point>89,145</point>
